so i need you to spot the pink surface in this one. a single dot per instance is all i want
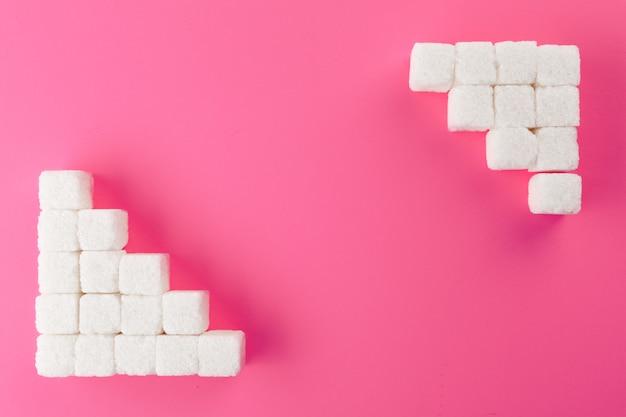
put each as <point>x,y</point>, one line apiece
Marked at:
<point>273,148</point>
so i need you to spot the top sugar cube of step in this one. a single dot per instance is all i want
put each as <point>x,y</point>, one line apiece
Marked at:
<point>432,67</point>
<point>62,190</point>
<point>475,63</point>
<point>516,62</point>
<point>558,65</point>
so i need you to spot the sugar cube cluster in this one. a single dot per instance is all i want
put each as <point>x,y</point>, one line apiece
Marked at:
<point>102,311</point>
<point>525,96</point>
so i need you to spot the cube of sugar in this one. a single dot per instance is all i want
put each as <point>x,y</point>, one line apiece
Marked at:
<point>65,190</point>
<point>142,314</point>
<point>516,62</point>
<point>514,106</point>
<point>99,271</point>
<point>475,63</point>
<point>558,65</point>
<point>185,312</point>
<point>56,313</point>
<point>558,149</point>
<point>221,352</point>
<point>135,355</point>
<point>557,106</point>
<point>176,355</point>
<point>58,272</point>
<point>511,148</point>
<point>144,273</point>
<point>100,314</point>
<point>57,231</point>
<point>102,229</point>
<point>431,67</point>
<point>55,355</point>
<point>555,193</point>
<point>95,355</point>
<point>470,107</point>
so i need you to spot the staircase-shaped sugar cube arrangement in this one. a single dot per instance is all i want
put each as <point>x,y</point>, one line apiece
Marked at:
<point>526,97</point>
<point>102,311</point>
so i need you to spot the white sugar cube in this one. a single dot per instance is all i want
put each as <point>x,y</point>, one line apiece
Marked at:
<point>57,231</point>
<point>558,65</point>
<point>514,106</point>
<point>557,106</point>
<point>65,190</point>
<point>176,355</point>
<point>431,67</point>
<point>221,352</point>
<point>470,107</point>
<point>102,229</point>
<point>56,313</point>
<point>185,312</point>
<point>58,272</point>
<point>100,314</point>
<point>511,148</point>
<point>95,355</point>
<point>144,273</point>
<point>135,355</point>
<point>516,62</point>
<point>475,63</point>
<point>555,193</point>
<point>55,355</point>
<point>99,271</point>
<point>142,314</point>
<point>558,149</point>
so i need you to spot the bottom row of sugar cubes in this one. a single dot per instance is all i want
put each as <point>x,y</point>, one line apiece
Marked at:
<point>216,353</point>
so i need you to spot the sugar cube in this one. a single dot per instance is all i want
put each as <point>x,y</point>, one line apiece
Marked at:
<point>65,190</point>
<point>142,314</point>
<point>55,355</point>
<point>555,193</point>
<point>100,314</point>
<point>221,352</point>
<point>185,312</point>
<point>95,355</point>
<point>176,355</point>
<point>144,273</point>
<point>99,271</point>
<point>475,63</point>
<point>102,229</point>
<point>56,231</point>
<point>431,67</point>
<point>470,107</point>
<point>58,272</point>
<point>511,148</point>
<point>516,62</point>
<point>558,65</point>
<point>558,149</point>
<point>557,106</point>
<point>514,106</point>
<point>56,313</point>
<point>135,355</point>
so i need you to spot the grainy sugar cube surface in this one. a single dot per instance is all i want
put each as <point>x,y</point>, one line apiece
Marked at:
<point>58,272</point>
<point>514,106</point>
<point>57,231</point>
<point>144,273</point>
<point>557,106</point>
<point>221,352</point>
<point>102,229</point>
<point>99,271</point>
<point>558,65</point>
<point>511,148</point>
<point>57,313</point>
<point>470,107</point>
<point>100,314</point>
<point>185,312</point>
<point>558,149</point>
<point>176,355</point>
<point>65,190</point>
<point>142,314</point>
<point>555,193</point>
<point>135,355</point>
<point>432,67</point>
<point>55,355</point>
<point>95,355</point>
<point>516,62</point>
<point>475,63</point>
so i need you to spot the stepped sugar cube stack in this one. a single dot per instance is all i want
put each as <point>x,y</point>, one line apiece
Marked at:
<point>95,355</point>
<point>65,190</point>
<point>511,148</point>
<point>555,193</point>
<point>516,62</point>
<point>176,355</point>
<point>514,106</point>
<point>475,63</point>
<point>58,272</point>
<point>557,149</point>
<point>142,314</point>
<point>185,312</point>
<point>100,314</point>
<point>221,352</point>
<point>431,67</point>
<point>144,273</point>
<point>55,355</point>
<point>102,229</point>
<point>57,313</point>
<point>470,107</point>
<point>135,355</point>
<point>558,65</point>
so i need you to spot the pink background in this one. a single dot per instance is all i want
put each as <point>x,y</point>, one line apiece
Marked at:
<point>273,148</point>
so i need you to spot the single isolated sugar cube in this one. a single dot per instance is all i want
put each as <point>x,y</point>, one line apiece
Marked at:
<point>514,105</point>
<point>557,106</point>
<point>516,62</point>
<point>57,231</point>
<point>475,63</point>
<point>95,355</point>
<point>185,312</point>
<point>58,272</point>
<point>144,273</point>
<point>555,193</point>
<point>431,67</point>
<point>142,314</point>
<point>511,148</point>
<point>57,313</point>
<point>135,355</point>
<point>99,271</point>
<point>100,314</point>
<point>176,355</point>
<point>102,229</point>
<point>68,189</point>
<point>470,107</point>
<point>221,352</point>
<point>55,355</point>
<point>558,65</point>
<point>558,149</point>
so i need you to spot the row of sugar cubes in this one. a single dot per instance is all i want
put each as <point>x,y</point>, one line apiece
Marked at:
<point>104,311</point>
